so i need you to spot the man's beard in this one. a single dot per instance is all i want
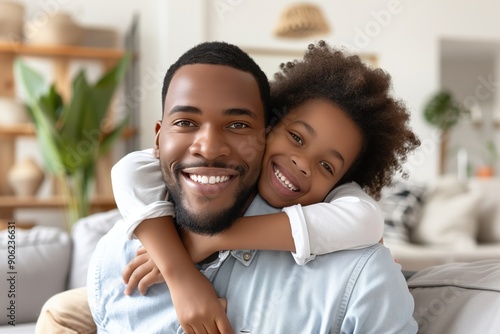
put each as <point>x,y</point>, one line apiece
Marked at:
<point>209,223</point>
<point>212,223</point>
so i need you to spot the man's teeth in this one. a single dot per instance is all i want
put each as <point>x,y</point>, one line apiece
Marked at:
<point>203,179</point>
<point>284,180</point>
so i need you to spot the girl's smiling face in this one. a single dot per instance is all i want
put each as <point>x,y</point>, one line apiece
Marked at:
<point>307,153</point>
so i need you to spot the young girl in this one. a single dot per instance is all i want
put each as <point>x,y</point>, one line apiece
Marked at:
<point>341,132</point>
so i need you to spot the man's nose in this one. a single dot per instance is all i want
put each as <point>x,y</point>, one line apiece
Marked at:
<point>302,164</point>
<point>210,143</point>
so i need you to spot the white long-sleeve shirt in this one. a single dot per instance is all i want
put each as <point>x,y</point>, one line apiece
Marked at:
<point>348,219</point>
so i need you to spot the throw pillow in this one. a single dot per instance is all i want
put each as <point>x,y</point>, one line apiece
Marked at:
<point>86,233</point>
<point>402,206</point>
<point>457,298</point>
<point>449,217</point>
<point>489,209</point>
<point>40,268</point>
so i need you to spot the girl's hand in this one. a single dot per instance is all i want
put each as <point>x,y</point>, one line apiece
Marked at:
<point>141,272</point>
<point>196,304</point>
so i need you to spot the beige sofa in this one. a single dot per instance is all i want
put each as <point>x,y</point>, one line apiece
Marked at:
<point>443,222</point>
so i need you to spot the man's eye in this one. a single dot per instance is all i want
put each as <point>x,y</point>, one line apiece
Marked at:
<point>296,138</point>
<point>327,167</point>
<point>238,126</point>
<point>183,123</point>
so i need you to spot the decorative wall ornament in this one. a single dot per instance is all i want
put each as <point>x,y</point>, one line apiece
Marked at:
<point>12,111</point>
<point>301,20</point>
<point>60,29</point>
<point>25,177</point>
<point>11,21</point>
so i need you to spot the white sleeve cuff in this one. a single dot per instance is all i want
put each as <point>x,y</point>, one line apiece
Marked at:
<point>300,235</point>
<point>153,210</point>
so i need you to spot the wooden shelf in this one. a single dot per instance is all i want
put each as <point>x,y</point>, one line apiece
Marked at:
<point>28,129</point>
<point>15,130</point>
<point>33,202</point>
<point>60,51</point>
<point>61,57</point>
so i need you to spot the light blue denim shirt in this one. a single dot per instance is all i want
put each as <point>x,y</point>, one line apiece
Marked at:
<point>353,291</point>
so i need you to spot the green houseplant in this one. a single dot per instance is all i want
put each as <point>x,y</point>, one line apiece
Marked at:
<point>73,134</point>
<point>444,112</point>
<point>489,159</point>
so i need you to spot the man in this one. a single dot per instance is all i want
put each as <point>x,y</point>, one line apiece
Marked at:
<point>216,107</point>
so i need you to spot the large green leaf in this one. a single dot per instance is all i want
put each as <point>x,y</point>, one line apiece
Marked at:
<point>48,137</point>
<point>32,81</point>
<point>74,111</point>
<point>52,104</point>
<point>85,116</point>
<point>110,138</point>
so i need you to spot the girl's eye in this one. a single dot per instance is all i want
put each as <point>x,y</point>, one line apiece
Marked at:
<point>296,138</point>
<point>327,167</point>
<point>184,123</point>
<point>238,126</point>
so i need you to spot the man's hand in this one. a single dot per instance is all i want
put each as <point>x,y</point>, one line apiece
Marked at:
<point>196,304</point>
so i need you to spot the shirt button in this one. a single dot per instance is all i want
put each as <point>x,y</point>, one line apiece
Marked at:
<point>247,256</point>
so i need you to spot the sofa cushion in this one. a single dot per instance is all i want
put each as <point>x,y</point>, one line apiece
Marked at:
<point>402,205</point>
<point>86,233</point>
<point>489,209</point>
<point>41,262</point>
<point>458,298</point>
<point>449,217</point>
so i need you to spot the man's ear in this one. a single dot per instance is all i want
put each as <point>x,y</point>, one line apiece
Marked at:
<point>156,150</point>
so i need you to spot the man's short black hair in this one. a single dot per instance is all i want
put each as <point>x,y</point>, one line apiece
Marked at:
<point>221,53</point>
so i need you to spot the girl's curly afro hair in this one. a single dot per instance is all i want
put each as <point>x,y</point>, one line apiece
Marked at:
<point>364,94</point>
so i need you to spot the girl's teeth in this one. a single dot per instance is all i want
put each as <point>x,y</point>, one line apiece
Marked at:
<point>284,180</point>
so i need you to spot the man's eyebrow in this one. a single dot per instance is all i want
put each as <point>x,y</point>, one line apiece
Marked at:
<point>228,112</point>
<point>181,108</point>
<point>313,133</point>
<point>240,112</point>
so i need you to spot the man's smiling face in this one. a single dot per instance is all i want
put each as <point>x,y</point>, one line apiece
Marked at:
<point>210,144</point>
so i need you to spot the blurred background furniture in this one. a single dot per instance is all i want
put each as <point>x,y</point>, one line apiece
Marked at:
<point>445,221</point>
<point>48,260</point>
<point>18,134</point>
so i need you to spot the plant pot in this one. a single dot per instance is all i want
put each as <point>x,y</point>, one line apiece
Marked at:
<point>485,171</point>
<point>11,21</point>
<point>59,30</point>
<point>25,178</point>
<point>12,111</point>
